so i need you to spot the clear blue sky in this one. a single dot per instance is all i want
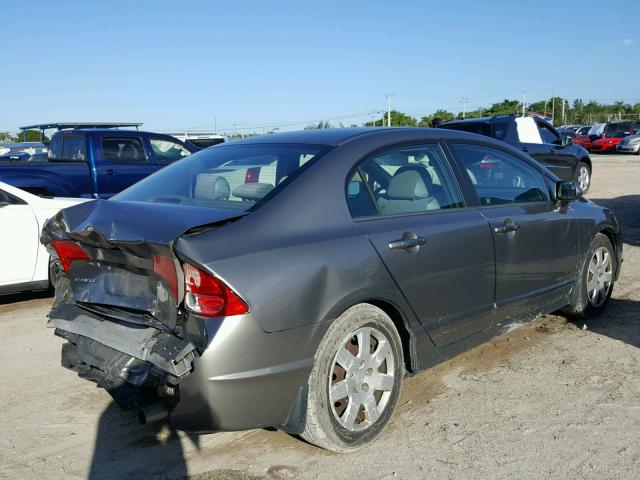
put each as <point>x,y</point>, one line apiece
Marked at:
<point>180,64</point>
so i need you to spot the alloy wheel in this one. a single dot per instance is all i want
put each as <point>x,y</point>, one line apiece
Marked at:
<point>584,178</point>
<point>599,276</point>
<point>361,379</point>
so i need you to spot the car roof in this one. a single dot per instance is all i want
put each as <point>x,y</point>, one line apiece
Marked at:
<point>113,131</point>
<point>338,136</point>
<point>497,118</point>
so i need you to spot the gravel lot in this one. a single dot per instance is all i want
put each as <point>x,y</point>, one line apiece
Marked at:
<point>552,399</point>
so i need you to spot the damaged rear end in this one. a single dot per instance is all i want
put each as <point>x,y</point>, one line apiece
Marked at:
<point>131,311</point>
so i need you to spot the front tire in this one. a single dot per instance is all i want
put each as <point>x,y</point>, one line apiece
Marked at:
<point>356,380</point>
<point>584,177</point>
<point>596,280</point>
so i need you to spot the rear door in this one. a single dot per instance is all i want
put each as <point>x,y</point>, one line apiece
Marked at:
<point>439,252</point>
<point>123,160</point>
<point>536,242</point>
<point>18,240</point>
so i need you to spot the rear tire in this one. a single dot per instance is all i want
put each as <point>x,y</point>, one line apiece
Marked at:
<point>353,391</point>
<point>596,281</point>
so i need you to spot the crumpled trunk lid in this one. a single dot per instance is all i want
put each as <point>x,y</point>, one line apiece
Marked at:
<point>120,308</point>
<point>125,241</point>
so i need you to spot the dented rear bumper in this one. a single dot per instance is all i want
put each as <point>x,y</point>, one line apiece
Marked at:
<point>245,378</point>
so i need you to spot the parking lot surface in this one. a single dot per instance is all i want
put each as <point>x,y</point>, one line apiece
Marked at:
<point>552,399</point>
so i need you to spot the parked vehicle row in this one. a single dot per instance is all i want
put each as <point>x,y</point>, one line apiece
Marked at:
<point>609,144</point>
<point>290,280</point>
<point>536,137</point>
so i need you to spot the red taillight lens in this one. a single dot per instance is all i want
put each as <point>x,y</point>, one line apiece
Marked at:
<point>209,296</point>
<point>252,175</point>
<point>68,252</point>
<point>165,268</point>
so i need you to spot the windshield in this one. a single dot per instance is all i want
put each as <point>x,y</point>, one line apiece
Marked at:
<point>622,134</point>
<point>233,177</point>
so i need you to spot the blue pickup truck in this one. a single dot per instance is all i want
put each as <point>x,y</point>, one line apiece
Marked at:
<point>94,162</point>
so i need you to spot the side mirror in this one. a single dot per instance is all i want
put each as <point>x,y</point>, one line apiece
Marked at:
<point>567,191</point>
<point>567,140</point>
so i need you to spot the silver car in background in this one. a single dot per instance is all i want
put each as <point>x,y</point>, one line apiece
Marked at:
<point>630,144</point>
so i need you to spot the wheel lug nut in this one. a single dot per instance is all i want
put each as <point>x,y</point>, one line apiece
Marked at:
<point>365,387</point>
<point>368,371</point>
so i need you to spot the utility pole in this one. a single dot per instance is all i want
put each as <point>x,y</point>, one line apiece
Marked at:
<point>388,95</point>
<point>464,101</point>
<point>553,107</point>
<point>563,119</point>
<point>524,103</point>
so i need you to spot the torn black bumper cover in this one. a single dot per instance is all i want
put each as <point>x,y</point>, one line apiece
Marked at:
<point>123,358</point>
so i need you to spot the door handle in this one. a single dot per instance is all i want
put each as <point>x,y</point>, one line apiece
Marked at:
<point>507,227</point>
<point>406,243</point>
<point>525,149</point>
<point>110,171</point>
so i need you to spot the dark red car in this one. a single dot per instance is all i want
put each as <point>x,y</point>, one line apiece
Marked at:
<point>584,141</point>
<point>608,144</point>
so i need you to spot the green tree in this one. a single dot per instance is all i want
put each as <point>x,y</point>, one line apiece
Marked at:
<point>437,116</point>
<point>506,107</point>
<point>6,137</point>
<point>30,136</point>
<point>398,119</point>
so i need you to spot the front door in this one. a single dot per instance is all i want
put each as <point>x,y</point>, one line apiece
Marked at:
<point>536,241</point>
<point>439,252</point>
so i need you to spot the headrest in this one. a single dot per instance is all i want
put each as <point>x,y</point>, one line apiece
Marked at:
<point>210,186</point>
<point>407,184</point>
<point>252,191</point>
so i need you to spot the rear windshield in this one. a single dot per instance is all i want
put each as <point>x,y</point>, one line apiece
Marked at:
<point>496,130</point>
<point>233,177</point>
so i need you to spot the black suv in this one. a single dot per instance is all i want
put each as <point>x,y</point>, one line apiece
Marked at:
<point>536,137</point>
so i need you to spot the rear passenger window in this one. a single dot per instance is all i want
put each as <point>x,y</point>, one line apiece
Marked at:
<point>500,178</point>
<point>411,179</point>
<point>123,150</point>
<point>73,148</point>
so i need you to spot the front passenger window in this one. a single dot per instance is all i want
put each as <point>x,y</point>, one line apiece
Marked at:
<point>499,177</point>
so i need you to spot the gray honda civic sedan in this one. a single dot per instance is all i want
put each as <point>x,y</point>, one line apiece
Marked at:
<point>293,280</point>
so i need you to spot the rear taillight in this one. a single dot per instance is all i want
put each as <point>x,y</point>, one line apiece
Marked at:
<point>165,268</point>
<point>68,252</point>
<point>209,296</point>
<point>252,175</point>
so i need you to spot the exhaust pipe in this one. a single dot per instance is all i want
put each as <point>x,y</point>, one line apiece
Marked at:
<point>153,413</point>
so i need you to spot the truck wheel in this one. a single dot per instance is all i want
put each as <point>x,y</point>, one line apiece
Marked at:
<point>595,284</point>
<point>356,380</point>
<point>584,177</point>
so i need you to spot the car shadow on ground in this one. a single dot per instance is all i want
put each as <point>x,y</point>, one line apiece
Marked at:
<point>627,210</point>
<point>620,321</point>
<point>25,296</point>
<point>126,449</point>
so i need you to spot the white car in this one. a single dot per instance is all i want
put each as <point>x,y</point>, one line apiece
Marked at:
<point>24,262</point>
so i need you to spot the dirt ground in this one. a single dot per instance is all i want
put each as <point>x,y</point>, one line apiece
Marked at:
<point>550,400</point>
